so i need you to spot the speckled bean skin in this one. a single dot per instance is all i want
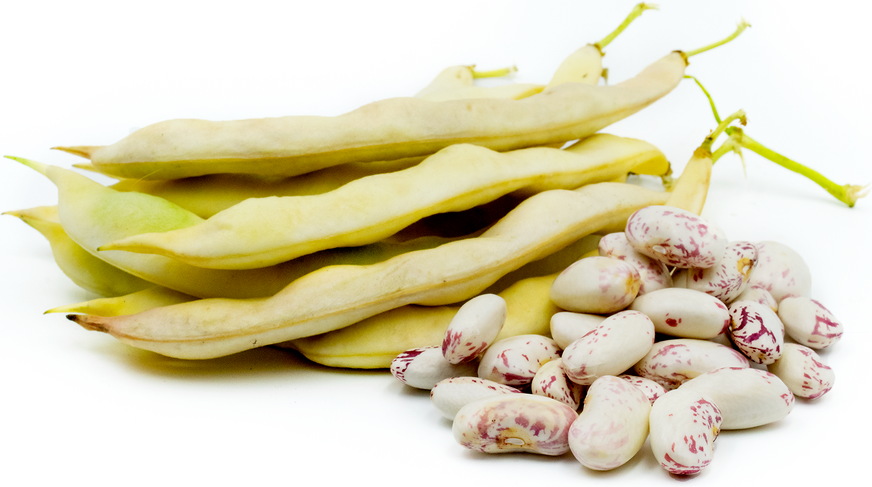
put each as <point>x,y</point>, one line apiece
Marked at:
<point>729,277</point>
<point>684,313</point>
<point>675,237</point>
<point>596,285</point>
<point>423,367</point>
<point>474,328</point>
<point>803,372</point>
<point>757,331</point>
<point>684,426</point>
<point>759,295</point>
<point>810,323</point>
<point>567,327</point>
<point>550,381</point>
<point>609,349</point>
<point>654,274</point>
<point>515,423</point>
<point>450,395</point>
<point>780,270</point>
<point>746,397</point>
<point>651,389</point>
<point>673,362</point>
<point>515,360</point>
<point>612,426</point>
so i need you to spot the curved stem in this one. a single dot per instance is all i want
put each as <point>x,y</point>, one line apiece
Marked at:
<point>741,27</point>
<point>494,73</point>
<point>711,102</point>
<point>636,12</point>
<point>724,125</point>
<point>847,193</point>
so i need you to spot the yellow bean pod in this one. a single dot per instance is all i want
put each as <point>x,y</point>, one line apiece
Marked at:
<point>128,304</point>
<point>385,130</point>
<point>85,270</point>
<point>337,296</point>
<point>93,214</point>
<point>374,342</point>
<point>266,231</point>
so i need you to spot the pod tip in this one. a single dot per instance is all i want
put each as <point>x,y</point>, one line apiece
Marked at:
<point>85,151</point>
<point>92,323</point>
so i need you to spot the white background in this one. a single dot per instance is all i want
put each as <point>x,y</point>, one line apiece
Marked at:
<point>79,406</point>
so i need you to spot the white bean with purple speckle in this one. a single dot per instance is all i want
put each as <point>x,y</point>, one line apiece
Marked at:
<point>803,372</point>
<point>780,270</point>
<point>515,423</point>
<point>450,395</point>
<point>810,323</point>
<point>670,363</point>
<point>474,328</point>
<point>746,397</point>
<point>596,285</point>
<point>676,237</point>
<point>550,381</point>
<point>654,274</point>
<point>423,367</point>
<point>567,327</point>
<point>684,425</point>
<point>609,349</point>
<point>757,331</point>
<point>515,360</point>
<point>759,295</point>
<point>651,389</point>
<point>612,426</point>
<point>729,277</point>
<point>684,312</point>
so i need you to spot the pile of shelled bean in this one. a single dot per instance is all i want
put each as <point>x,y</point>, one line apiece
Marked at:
<point>716,305</point>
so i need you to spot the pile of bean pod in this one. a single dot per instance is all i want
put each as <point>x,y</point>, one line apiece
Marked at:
<point>672,332</point>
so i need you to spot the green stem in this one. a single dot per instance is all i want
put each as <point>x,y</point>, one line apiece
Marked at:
<point>731,145</point>
<point>637,11</point>
<point>711,102</point>
<point>494,73</point>
<point>847,193</point>
<point>741,27</point>
<point>724,125</point>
